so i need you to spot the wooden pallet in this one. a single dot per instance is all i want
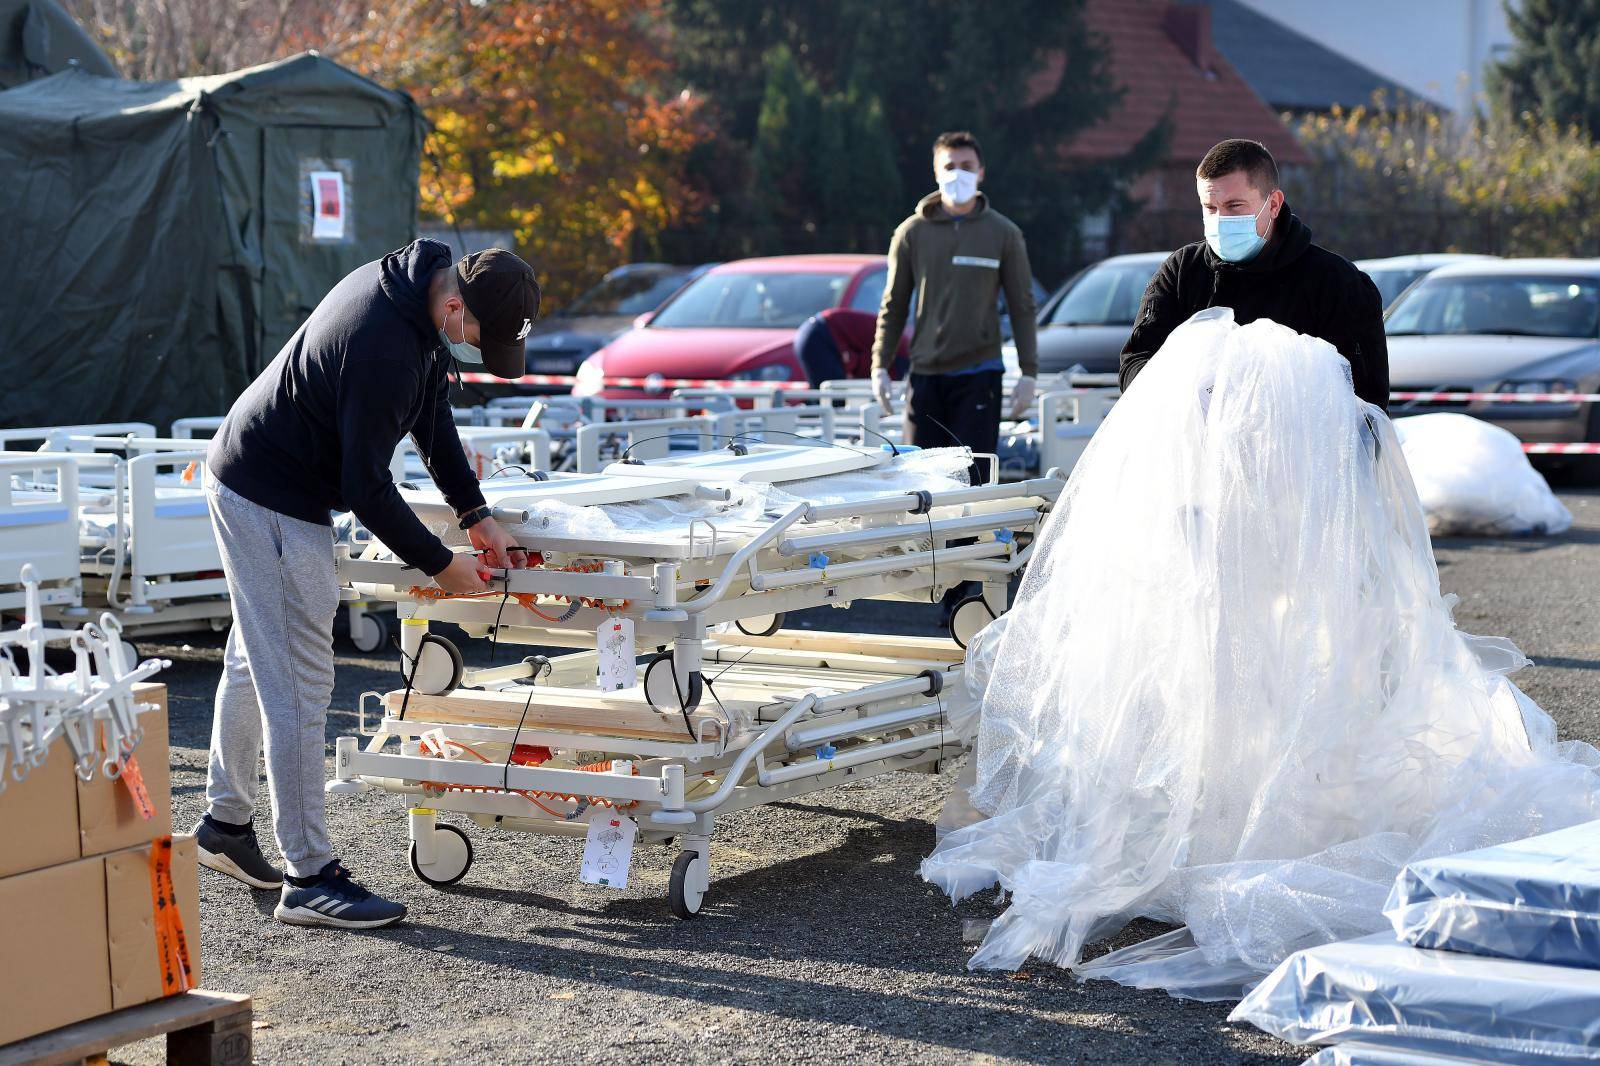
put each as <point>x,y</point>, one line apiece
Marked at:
<point>202,1028</point>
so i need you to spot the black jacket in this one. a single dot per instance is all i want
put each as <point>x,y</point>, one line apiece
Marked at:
<point>315,432</point>
<point>1291,281</point>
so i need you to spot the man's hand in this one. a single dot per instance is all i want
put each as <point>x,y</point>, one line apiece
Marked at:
<point>499,548</point>
<point>880,390</point>
<point>1022,397</point>
<point>465,576</point>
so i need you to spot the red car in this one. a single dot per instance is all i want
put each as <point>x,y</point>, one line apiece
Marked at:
<point>736,322</point>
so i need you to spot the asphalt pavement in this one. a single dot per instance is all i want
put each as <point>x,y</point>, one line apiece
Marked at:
<point>817,943</point>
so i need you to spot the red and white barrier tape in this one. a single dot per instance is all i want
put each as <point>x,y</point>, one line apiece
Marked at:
<point>1500,397</point>
<point>652,383</point>
<point>657,384</point>
<point>1562,449</point>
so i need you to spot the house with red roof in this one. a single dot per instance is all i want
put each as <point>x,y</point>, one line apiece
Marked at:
<point>1161,55</point>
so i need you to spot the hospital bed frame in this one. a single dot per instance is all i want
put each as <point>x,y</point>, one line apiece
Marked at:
<point>730,711</point>
<point>822,709</point>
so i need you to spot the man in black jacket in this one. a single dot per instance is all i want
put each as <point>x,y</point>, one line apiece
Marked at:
<point>314,434</point>
<point>1258,259</point>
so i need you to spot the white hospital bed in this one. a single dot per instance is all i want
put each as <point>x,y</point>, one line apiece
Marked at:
<point>139,530</point>
<point>701,556</point>
<point>39,528</point>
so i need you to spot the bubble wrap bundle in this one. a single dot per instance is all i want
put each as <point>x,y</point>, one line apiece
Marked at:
<point>1230,694</point>
<point>1474,480</point>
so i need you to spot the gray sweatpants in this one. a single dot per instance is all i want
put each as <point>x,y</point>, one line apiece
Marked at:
<point>277,675</point>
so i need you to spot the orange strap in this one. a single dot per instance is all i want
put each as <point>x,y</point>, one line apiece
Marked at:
<point>177,975</point>
<point>134,779</point>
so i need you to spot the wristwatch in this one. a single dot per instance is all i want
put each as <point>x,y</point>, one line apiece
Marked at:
<point>474,516</point>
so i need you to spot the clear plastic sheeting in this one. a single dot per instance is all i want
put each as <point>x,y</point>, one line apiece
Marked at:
<point>1474,480</point>
<point>1230,694</point>
<point>750,503</point>
<point>1380,993</point>
<point>1367,1055</point>
<point>1536,899</point>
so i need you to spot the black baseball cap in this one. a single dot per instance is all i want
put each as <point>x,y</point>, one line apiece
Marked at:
<point>503,295</point>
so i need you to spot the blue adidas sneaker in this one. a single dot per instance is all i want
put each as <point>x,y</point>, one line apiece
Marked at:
<point>335,900</point>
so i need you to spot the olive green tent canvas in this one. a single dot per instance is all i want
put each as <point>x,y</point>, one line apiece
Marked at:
<point>168,238</point>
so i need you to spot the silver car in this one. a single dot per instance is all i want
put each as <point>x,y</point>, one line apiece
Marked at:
<point>1503,326</point>
<point>1087,321</point>
<point>1394,275</point>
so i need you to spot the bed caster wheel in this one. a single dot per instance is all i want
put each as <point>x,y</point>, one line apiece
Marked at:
<point>763,625</point>
<point>130,654</point>
<point>688,888</point>
<point>368,632</point>
<point>452,857</point>
<point>659,690</point>
<point>438,667</point>
<point>969,618</point>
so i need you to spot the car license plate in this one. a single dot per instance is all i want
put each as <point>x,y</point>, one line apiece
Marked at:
<point>552,366</point>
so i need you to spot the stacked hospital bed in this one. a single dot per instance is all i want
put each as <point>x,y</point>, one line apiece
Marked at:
<point>113,519</point>
<point>682,698</point>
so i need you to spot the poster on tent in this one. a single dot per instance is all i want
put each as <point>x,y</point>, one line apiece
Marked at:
<point>328,211</point>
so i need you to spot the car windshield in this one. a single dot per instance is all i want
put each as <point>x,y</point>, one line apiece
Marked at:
<point>632,293</point>
<point>752,301</point>
<point>1104,295</point>
<point>1505,306</point>
<point>1393,282</point>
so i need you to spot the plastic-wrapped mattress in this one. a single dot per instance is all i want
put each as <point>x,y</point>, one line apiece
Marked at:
<point>1367,1055</point>
<point>1536,899</point>
<point>1378,992</point>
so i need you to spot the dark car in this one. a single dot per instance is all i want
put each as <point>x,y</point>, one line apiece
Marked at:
<point>1087,321</point>
<point>565,339</point>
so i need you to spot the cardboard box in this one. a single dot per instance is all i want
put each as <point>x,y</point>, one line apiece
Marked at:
<point>81,938</point>
<point>131,925</point>
<point>108,819</point>
<point>54,966</point>
<point>39,815</point>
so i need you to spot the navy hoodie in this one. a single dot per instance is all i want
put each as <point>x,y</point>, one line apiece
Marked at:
<point>315,432</point>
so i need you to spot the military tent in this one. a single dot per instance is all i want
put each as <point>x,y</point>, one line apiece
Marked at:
<point>38,38</point>
<point>167,238</point>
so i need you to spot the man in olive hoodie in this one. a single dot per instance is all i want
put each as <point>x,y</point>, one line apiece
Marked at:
<point>956,254</point>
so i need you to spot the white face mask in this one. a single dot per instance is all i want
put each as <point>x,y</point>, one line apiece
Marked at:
<point>958,186</point>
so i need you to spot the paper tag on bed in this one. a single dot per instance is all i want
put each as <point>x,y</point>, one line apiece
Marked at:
<point>618,664</point>
<point>608,849</point>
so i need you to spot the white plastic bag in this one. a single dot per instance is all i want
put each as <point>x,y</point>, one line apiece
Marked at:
<point>1230,694</point>
<point>1536,899</point>
<point>1474,479</point>
<point>1377,992</point>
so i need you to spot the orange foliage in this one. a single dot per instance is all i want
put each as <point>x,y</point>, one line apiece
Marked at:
<point>556,119</point>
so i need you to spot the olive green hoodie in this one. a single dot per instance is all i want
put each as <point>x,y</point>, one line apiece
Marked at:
<point>956,266</point>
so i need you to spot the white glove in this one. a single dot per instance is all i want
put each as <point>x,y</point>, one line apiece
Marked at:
<point>1022,397</point>
<point>880,390</point>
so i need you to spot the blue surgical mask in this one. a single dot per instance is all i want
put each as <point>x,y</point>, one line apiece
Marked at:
<point>460,350</point>
<point>1234,237</point>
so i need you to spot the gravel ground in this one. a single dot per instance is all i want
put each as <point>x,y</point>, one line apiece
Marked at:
<point>817,941</point>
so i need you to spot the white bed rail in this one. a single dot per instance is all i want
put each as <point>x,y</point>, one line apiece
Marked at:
<point>645,438</point>
<point>38,527</point>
